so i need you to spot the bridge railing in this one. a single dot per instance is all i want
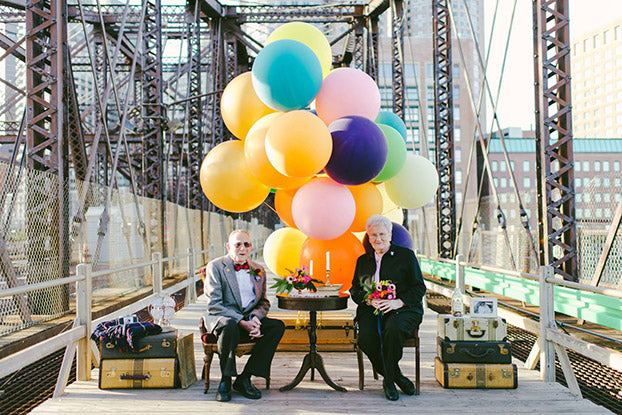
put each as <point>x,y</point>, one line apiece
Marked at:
<point>77,339</point>
<point>596,304</point>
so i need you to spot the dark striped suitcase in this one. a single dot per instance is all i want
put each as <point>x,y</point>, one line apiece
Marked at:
<point>474,352</point>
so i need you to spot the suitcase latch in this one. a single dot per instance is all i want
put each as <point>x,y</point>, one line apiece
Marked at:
<point>454,373</point>
<point>165,343</point>
<point>507,373</point>
<point>503,350</point>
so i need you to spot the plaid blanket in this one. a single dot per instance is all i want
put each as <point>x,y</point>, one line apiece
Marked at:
<point>123,335</point>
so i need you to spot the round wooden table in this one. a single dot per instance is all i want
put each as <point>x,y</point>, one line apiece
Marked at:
<point>312,360</point>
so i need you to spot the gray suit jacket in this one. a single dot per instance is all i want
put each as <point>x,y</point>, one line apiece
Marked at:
<point>223,293</point>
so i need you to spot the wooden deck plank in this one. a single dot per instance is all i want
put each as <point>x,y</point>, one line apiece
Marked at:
<point>532,395</point>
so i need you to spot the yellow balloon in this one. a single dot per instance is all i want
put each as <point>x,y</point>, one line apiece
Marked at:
<point>227,182</point>
<point>281,251</point>
<point>310,36</point>
<point>415,184</point>
<point>257,160</point>
<point>368,202</point>
<point>298,144</point>
<point>389,208</point>
<point>240,106</point>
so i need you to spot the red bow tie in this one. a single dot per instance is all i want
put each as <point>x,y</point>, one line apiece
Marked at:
<point>238,267</point>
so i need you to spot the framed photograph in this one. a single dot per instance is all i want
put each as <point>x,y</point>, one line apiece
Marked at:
<point>483,307</point>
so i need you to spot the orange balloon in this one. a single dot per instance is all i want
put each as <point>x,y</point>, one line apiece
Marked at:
<point>240,106</point>
<point>283,205</point>
<point>344,251</point>
<point>227,182</point>
<point>368,200</point>
<point>257,161</point>
<point>298,144</point>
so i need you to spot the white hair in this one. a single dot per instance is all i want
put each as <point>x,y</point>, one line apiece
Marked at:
<point>379,220</point>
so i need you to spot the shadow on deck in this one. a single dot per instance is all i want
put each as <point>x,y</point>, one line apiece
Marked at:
<point>531,396</point>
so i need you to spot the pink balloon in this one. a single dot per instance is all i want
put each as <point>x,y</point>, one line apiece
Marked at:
<point>323,209</point>
<point>347,91</point>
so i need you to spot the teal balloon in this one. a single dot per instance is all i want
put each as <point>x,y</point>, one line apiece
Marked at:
<point>396,156</point>
<point>393,120</point>
<point>286,75</point>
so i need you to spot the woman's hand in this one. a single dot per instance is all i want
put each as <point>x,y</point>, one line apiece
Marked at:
<point>387,305</point>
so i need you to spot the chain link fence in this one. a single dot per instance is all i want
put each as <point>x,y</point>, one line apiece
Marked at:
<point>484,242</point>
<point>109,233</point>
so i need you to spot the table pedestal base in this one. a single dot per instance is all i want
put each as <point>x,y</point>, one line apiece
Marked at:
<point>312,361</point>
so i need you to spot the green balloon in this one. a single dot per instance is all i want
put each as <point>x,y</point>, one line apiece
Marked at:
<point>396,156</point>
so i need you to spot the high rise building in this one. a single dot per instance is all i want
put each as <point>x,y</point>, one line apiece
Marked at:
<point>419,80</point>
<point>597,82</point>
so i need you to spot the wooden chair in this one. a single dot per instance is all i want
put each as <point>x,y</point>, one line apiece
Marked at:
<point>210,347</point>
<point>412,341</point>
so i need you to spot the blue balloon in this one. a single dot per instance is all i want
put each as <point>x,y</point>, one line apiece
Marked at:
<point>399,236</point>
<point>392,120</point>
<point>286,75</point>
<point>359,150</point>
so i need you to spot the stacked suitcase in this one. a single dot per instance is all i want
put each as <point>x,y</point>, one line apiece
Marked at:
<point>473,352</point>
<point>154,363</point>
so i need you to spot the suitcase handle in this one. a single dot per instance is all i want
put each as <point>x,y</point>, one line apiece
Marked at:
<point>480,333</point>
<point>478,355</point>
<point>127,376</point>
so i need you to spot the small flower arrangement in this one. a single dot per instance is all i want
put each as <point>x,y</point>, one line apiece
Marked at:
<point>255,272</point>
<point>382,290</point>
<point>298,279</point>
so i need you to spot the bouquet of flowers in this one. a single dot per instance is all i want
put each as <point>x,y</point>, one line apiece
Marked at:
<point>298,279</point>
<point>382,290</point>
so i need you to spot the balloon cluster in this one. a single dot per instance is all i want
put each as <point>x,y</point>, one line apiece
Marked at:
<point>332,167</point>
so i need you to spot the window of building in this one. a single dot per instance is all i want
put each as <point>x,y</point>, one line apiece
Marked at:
<point>578,196</point>
<point>577,182</point>
<point>607,197</point>
<point>596,39</point>
<point>502,165</point>
<point>588,213</point>
<point>577,166</point>
<point>495,181</point>
<point>526,182</point>
<point>456,92</point>
<point>495,165</point>
<point>617,197</point>
<point>458,176</point>
<point>504,182</point>
<point>607,212</point>
<point>429,71</point>
<point>597,198</point>
<point>525,165</point>
<point>599,213</point>
<point>512,165</point>
<point>456,112</point>
<point>597,182</point>
<point>605,166</point>
<point>458,197</point>
<point>503,197</point>
<point>616,166</point>
<point>456,71</point>
<point>586,181</point>
<point>606,182</point>
<point>457,134</point>
<point>579,213</point>
<point>606,37</point>
<point>586,166</point>
<point>429,93</point>
<point>458,155</point>
<point>586,198</point>
<point>597,166</point>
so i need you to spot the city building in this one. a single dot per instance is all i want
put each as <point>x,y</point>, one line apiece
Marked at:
<point>597,82</point>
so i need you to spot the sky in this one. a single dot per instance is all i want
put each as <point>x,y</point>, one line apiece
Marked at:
<point>516,103</point>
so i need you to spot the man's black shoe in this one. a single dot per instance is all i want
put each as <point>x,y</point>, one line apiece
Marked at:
<point>405,384</point>
<point>246,388</point>
<point>389,390</point>
<point>224,391</point>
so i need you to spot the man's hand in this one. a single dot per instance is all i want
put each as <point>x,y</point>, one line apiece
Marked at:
<point>387,305</point>
<point>253,326</point>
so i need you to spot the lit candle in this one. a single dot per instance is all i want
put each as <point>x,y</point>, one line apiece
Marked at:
<point>311,267</point>
<point>327,260</point>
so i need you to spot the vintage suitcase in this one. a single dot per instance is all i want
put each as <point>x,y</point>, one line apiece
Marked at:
<point>137,373</point>
<point>148,347</point>
<point>473,352</point>
<point>185,359</point>
<point>475,376</point>
<point>335,331</point>
<point>471,328</point>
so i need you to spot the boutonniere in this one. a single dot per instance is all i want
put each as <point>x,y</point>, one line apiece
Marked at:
<point>391,253</point>
<point>255,272</point>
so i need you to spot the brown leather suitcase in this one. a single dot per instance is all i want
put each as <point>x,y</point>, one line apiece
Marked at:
<point>137,373</point>
<point>335,331</point>
<point>475,376</point>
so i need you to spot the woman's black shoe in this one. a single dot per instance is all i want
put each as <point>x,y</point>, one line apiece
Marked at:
<point>389,391</point>
<point>405,385</point>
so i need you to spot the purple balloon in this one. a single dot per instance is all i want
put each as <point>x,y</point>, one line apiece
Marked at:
<point>399,236</point>
<point>359,150</point>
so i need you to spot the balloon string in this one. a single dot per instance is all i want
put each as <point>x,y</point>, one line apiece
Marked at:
<point>271,208</point>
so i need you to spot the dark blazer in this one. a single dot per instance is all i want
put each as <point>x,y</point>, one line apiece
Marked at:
<point>398,265</point>
<point>223,293</point>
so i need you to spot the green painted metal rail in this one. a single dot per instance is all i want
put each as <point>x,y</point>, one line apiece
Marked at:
<point>593,307</point>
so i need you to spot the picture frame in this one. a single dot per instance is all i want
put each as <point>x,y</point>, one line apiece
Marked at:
<point>483,307</point>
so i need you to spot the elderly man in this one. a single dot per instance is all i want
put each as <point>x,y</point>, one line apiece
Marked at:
<point>382,334</point>
<point>236,311</point>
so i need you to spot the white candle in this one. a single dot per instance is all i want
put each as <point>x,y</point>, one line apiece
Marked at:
<point>327,260</point>
<point>311,267</point>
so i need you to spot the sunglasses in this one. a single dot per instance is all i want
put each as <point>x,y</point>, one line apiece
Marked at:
<point>239,244</point>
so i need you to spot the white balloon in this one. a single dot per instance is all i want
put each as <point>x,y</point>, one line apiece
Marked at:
<point>415,185</point>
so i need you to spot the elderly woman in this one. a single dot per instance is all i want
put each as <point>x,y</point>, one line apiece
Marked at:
<point>384,324</point>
